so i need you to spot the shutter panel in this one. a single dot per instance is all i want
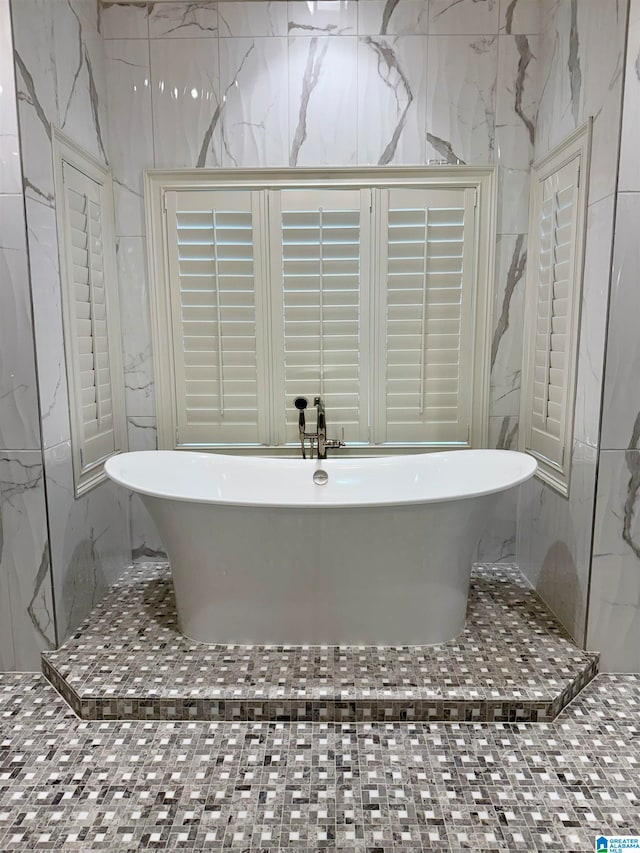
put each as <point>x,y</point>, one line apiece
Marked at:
<point>320,262</point>
<point>555,291</point>
<point>214,249</point>
<point>425,368</point>
<point>92,365</point>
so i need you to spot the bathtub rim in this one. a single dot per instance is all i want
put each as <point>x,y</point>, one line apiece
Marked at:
<point>321,502</point>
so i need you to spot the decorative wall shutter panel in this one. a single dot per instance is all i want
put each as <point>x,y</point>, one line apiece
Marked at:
<point>557,218</point>
<point>553,310</point>
<point>88,309</point>
<point>215,258</point>
<point>425,368</point>
<point>320,243</point>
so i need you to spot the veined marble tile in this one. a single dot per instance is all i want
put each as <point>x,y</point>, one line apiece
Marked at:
<point>322,101</point>
<point>508,320</point>
<point>135,325</point>
<point>461,81</point>
<point>80,76</point>
<point>322,17</point>
<point>516,105</point>
<point>90,539</point>
<point>554,540</point>
<point>392,74</point>
<point>520,17</point>
<point>463,17</point>
<point>124,21</point>
<point>614,604</point>
<point>602,31</point>
<point>560,77</point>
<point>47,313</point>
<point>19,416</point>
<point>393,17</point>
<point>498,541</point>
<point>254,85</point>
<point>145,539</point>
<point>183,20</point>
<point>10,172</point>
<point>621,405</point>
<point>36,83</point>
<point>252,18</point>
<point>130,129</point>
<point>593,322</point>
<point>7,654</point>
<point>24,558</point>
<point>629,175</point>
<point>186,102</point>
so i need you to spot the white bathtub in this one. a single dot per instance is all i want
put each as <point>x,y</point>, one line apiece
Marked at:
<point>381,554</point>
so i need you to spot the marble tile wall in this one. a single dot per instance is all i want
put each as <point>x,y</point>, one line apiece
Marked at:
<point>26,606</point>
<point>581,50</point>
<point>60,80</point>
<point>614,601</point>
<point>287,83</point>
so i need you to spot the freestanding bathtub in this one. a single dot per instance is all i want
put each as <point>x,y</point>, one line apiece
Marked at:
<point>379,554</point>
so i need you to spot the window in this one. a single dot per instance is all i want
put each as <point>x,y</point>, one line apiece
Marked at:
<point>90,311</point>
<point>369,288</point>
<point>557,219</point>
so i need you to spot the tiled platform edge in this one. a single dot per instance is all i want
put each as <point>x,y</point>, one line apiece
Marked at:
<point>512,663</point>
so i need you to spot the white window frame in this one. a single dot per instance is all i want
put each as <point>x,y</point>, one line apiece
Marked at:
<point>159,182</point>
<point>87,475</point>
<point>575,149</point>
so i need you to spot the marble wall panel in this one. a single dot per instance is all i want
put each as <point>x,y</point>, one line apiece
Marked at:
<point>463,17</point>
<point>135,328</point>
<point>183,20</point>
<point>406,17</point>
<point>125,21</point>
<point>554,540</point>
<point>130,147</point>
<point>145,539</point>
<point>10,173</point>
<point>252,18</point>
<point>614,611</point>
<point>508,321</point>
<point>186,102</point>
<point>90,543</point>
<point>24,557</point>
<point>629,174</point>
<point>322,97</point>
<point>520,17</point>
<point>255,115</point>
<point>461,99</point>
<point>317,18</point>
<point>19,417</point>
<point>621,408</point>
<point>392,74</point>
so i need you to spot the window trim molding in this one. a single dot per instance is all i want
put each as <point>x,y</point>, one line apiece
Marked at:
<point>65,150</point>
<point>158,181</point>
<point>577,144</point>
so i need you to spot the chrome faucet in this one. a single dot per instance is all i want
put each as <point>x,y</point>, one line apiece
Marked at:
<point>319,437</point>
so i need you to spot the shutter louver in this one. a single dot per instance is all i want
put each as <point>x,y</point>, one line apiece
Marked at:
<point>553,312</point>
<point>85,265</point>
<point>319,256</point>
<point>427,279</point>
<point>214,259</point>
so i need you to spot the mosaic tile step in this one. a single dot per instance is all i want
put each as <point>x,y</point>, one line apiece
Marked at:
<point>513,662</point>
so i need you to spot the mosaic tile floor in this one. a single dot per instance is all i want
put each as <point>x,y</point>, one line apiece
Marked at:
<point>513,661</point>
<point>70,784</point>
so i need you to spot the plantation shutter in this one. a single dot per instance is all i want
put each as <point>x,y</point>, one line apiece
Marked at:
<point>426,316</point>
<point>93,383</point>
<point>320,248</point>
<point>554,294</point>
<point>217,317</point>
